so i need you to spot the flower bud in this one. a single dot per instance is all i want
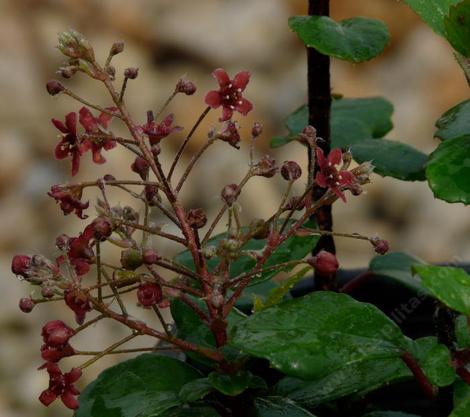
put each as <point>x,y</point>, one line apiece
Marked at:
<point>308,135</point>
<point>259,229</point>
<point>26,305</point>
<point>21,264</point>
<point>266,167</point>
<point>230,194</point>
<point>291,171</point>
<point>68,71</point>
<point>140,166</point>
<point>102,228</point>
<point>381,246</point>
<point>74,45</point>
<point>117,48</point>
<point>324,263</point>
<point>256,130</point>
<point>156,149</point>
<point>196,218</point>
<point>62,241</point>
<point>56,333</point>
<point>151,194</point>
<point>111,71</point>
<point>47,292</point>
<point>186,87</point>
<point>131,259</point>
<point>149,294</point>
<point>131,73</point>
<point>109,177</point>
<point>230,134</point>
<point>150,256</point>
<point>129,214</point>
<point>54,87</point>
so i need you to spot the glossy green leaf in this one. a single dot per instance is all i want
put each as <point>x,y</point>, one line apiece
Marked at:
<point>356,40</point>
<point>191,411</point>
<point>317,334</point>
<point>294,248</point>
<point>147,385</point>
<point>397,266</point>
<point>234,384</point>
<point>355,379</point>
<point>391,159</point>
<point>433,12</point>
<point>461,400</point>
<point>389,414</point>
<point>455,122</point>
<point>448,171</point>
<point>352,120</point>
<point>448,284</point>
<point>462,332</point>
<point>435,360</point>
<point>279,407</point>
<point>195,390</point>
<point>457,25</point>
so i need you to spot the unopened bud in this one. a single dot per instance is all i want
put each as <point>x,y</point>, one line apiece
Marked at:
<point>62,241</point>
<point>26,305</point>
<point>151,194</point>
<point>266,167</point>
<point>47,292</point>
<point>150,256</point>
<point>230,194</point>
<point>256,130</point>
<point>102,228</point>
<point>291,171</point>
<point>54,87</point>
<point>308,135</point>
<point>111,71</point>
<point>381,246</point>
<point>109,177</point>
<point>117,48</point>
<point>149,294</point>
<point>324,263</point>
<point>140,166</point>
<point>68,72</point>
<point>186,87</point>
<point>21,264</point>
<point>131,259</point>
<point>196,218</point>
<point>156,149</point>
<point>131,73</point>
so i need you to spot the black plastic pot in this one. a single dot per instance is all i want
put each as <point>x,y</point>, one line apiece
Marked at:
<point>415,316</point>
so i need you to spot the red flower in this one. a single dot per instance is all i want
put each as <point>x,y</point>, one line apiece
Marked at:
<point>149,294</point>
<point>329,176</point>
<point>96,126</point>
<point>69,144</point>
<point>157,131</point>
<point>21,265</point>
<point>69,200</point>
<point>55,354</point>
<point>79,252</point>
<point>56,333</point>
<point>78,303</point>
<point>229,94</point>
<point>61,385</point>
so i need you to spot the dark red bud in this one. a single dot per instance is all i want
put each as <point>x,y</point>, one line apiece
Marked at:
<point>56,333</point>
<point>381,246</point>
<point>256,130</point>
<point>150,256</point>
<point>54,87</point>
<point>109,177</point>
<point>21,264</point>
<point>266,167</point>
<point>140,166</point>
<point>151,194</point>
<point>131,73</point>
<point>149,294</point>
<point>156,149</point>
<point>230,194</point>
<point>62,242</point>
<point>291,171</point>
<point>131,259</point>
<point>196,218</point>
<point>186,87</point>
<point>102,228</point>
<point>325,263</point>
<point>26,305</point>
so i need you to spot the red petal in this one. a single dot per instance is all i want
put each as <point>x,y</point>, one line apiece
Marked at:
<point>59,125</point>
<point>213,99</point>
<point>335,157</point>
<point>321,180</point>
<point>75,162</point>
<point>241,80</point>
<point>104,119</point>
<point>47,397</point>
<point>69,400</point>
<point>59,152</point>
<point>168,120</point>
<point>86,145</point>
<point>227,114</point>
<point>71,123</point>
<point>339,193</point>
<point>87,120</point>
<point>244,106</point>
<point>347,178</point>
<point>97,157</point>
<point>109,144</point>
<point>221,76</point>
<point>73,376</point>
<point>321,162</point>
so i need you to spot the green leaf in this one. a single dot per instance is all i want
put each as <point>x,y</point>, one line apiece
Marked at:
<point>435,360</point>
<point>448,171</point>
<point>454,123</point>
<point>147,385</point>
<point>297,121</point>
<point>462,332</point>
<point>235,384</point>
<point>461,400</point>
<point>433,12</point>
<point>195,390</point>
<point>457,25</point>
<point>356,40</point>
<point>192,411</point>
<point>389,414</point>
<point>448,284</point>
<point>357,378</point>
<point>317,334</point>
<point>278,141</point>
<point>397,266</point>
<point>279,407</point>
<point>391,159</point>
<point>278,294</point>
<point>294,248</point>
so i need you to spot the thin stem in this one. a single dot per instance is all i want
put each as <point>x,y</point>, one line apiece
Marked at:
<point>168,101</point>
<point>98,267</point>
<point>427,387</point>
<point>162,321</point>
<point>87,103</point>
<point>89,323</point>
<point>111,283</point>
<point>121,351</point>
<point>152,230</point>
<point>283,201</point>
<point>183,145</point>
<point>123,89</point>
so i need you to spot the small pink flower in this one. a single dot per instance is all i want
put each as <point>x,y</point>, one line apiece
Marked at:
<point>149,294</point>
<point>157,131</point>
<point>229,94</point>
<point>69,200</point>
<point>94,126</point>
<point>329,176</point>
<point>69,145</point>
<point>61,385</point>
